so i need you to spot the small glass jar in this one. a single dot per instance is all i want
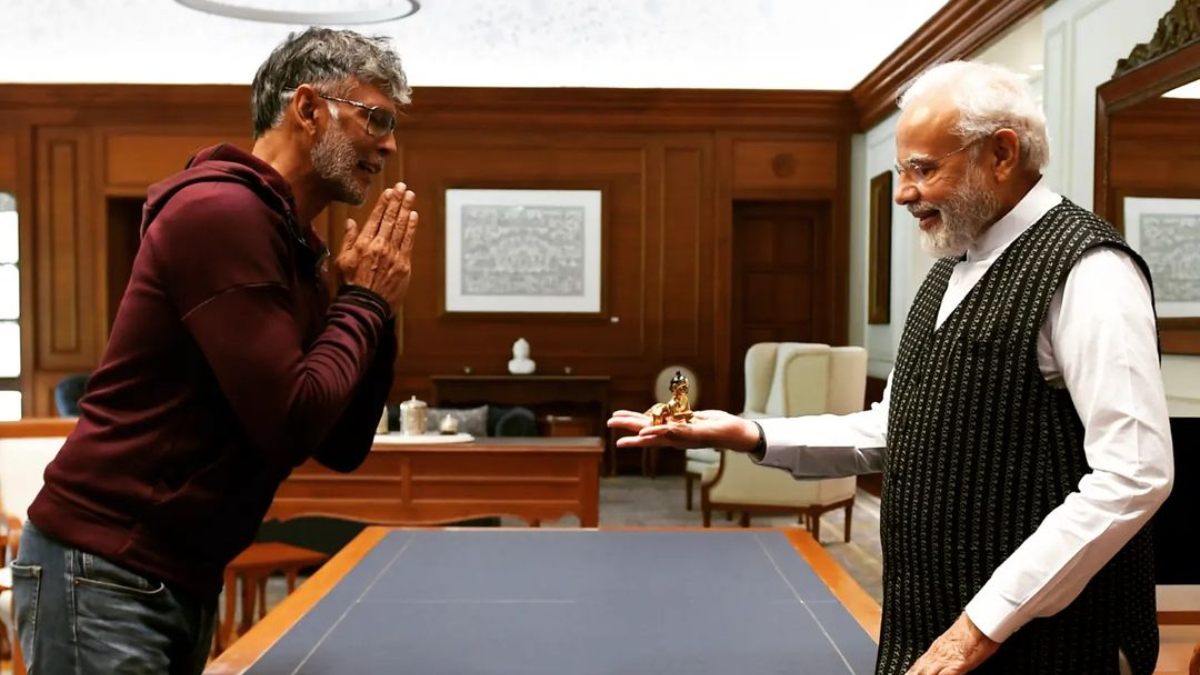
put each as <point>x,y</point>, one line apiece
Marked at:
<point>412,417</point>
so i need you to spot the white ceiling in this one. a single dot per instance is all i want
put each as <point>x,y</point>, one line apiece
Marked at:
<point>737,44</point>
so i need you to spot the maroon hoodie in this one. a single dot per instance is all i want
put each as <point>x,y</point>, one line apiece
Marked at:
<point>227,366</point>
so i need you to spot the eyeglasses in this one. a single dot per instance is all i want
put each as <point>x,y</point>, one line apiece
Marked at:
<point>920,170</point>
<point>380,121</point>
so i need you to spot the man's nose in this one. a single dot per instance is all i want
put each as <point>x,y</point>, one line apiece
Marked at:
<point>387,144</point>
<point>906,192</point>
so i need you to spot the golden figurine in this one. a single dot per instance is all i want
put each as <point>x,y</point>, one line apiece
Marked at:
<point>677,409</point>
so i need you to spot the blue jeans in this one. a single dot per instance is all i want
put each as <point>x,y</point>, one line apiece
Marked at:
<point>79,614</point>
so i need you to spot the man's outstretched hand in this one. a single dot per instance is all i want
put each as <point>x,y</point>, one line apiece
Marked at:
<point>708,428</point>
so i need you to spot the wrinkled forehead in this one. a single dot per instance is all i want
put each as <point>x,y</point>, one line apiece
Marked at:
<point>372,94</point>
<point>926,128</point>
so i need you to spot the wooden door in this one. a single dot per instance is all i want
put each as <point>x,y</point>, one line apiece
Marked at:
<point>782,290</point>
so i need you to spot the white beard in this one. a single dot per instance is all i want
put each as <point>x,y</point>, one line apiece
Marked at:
<point>334,159</point>
<point>964,215</point>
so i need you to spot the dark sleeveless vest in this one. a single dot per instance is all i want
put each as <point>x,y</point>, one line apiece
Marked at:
<point>980,449</point>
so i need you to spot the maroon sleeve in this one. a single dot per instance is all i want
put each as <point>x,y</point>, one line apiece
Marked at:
<point>224,259</point>
<point>348,444</point>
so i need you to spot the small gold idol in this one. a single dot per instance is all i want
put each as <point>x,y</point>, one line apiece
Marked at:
<point>677,409</point>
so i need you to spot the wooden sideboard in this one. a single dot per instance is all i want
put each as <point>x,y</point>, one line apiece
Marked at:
<point>583,397</point>
<point>535,479</point>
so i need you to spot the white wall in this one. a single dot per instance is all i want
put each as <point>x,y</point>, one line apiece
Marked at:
<point>875,153</point>
<point>1084,40</point>
<point>858,242</point>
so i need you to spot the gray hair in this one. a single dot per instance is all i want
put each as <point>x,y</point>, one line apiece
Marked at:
<point>330,60</point>
<point>988,98</point>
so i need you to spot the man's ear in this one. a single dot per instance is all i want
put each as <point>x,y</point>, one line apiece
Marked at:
<point>305,104</point>
<point>1006,154</point>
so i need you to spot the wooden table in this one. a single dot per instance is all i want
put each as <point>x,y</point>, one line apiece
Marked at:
<point>535,479</point>
<point>500,601</point>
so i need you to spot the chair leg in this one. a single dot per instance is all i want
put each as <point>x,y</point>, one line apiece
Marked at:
<point>687,482</point>
<point>849,513</point>
<point>225,628</point>
<point>816,527</point>
<point>249,591</point>
<point>262,597</point>
<point>707,515</point>
<point>745,522</point>
<point>729,515</point>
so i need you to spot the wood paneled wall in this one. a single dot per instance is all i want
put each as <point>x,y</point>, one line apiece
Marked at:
<point>670,164</point>
<point>1154,150</point>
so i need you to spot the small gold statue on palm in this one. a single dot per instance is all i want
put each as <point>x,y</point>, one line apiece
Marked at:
<point>675,410</point>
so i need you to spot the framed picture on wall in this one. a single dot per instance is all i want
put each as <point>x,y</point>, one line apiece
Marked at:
<point>524,251</point>
<point>879,270</point>
<point>1166,233</point>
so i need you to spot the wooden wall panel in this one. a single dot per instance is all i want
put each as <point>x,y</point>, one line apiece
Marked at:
<point>8,162</point>
<point>438,342</point>
<point>66,233</point>
<point>783,165</point>
<point>683,283</point>
<point>137,159</point>
<point>668,163</point>
<point>1155,149</point>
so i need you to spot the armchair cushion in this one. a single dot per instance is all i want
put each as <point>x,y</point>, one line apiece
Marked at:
<point>703,455</point>
<point>470,420</point>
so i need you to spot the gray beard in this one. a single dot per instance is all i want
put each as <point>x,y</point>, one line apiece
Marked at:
<point>965,215</point>
<point>334,158</point>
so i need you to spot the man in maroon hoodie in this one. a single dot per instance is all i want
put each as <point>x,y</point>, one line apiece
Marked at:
<point>227,366</point>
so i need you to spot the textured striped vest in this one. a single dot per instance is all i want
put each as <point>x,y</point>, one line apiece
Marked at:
<point>980,450</point>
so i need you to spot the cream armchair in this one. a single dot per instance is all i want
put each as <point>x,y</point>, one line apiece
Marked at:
<point>702,463</point>
<point>804,379</point>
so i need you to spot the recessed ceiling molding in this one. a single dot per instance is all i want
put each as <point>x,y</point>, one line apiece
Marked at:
<point>388,10</point>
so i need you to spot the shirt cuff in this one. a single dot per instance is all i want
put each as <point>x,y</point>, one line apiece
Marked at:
<point>368,299</point>
<point>994,616</point>
<point>777,455</point>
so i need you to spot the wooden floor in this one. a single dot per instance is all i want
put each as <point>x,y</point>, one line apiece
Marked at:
<point>1176,649</point>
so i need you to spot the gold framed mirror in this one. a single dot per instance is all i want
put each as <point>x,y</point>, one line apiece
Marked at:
<point>1147,179</point>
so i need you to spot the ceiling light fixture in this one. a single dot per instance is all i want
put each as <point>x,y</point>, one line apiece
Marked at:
<point>385,10</point>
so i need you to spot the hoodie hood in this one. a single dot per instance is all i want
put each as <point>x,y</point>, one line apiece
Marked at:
<point>225,163</point>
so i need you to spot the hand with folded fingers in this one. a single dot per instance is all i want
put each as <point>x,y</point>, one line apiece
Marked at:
<point>378,256</point>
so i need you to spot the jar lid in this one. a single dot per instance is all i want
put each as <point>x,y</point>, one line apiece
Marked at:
<point>413,403</point>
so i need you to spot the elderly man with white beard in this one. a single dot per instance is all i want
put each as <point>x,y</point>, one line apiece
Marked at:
<point>1023,435</point>
<point>228,365</point>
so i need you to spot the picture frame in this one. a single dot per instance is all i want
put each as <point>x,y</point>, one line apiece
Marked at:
<point>1165,231</point>
<point>879,267</point>
<point>516,251</point>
